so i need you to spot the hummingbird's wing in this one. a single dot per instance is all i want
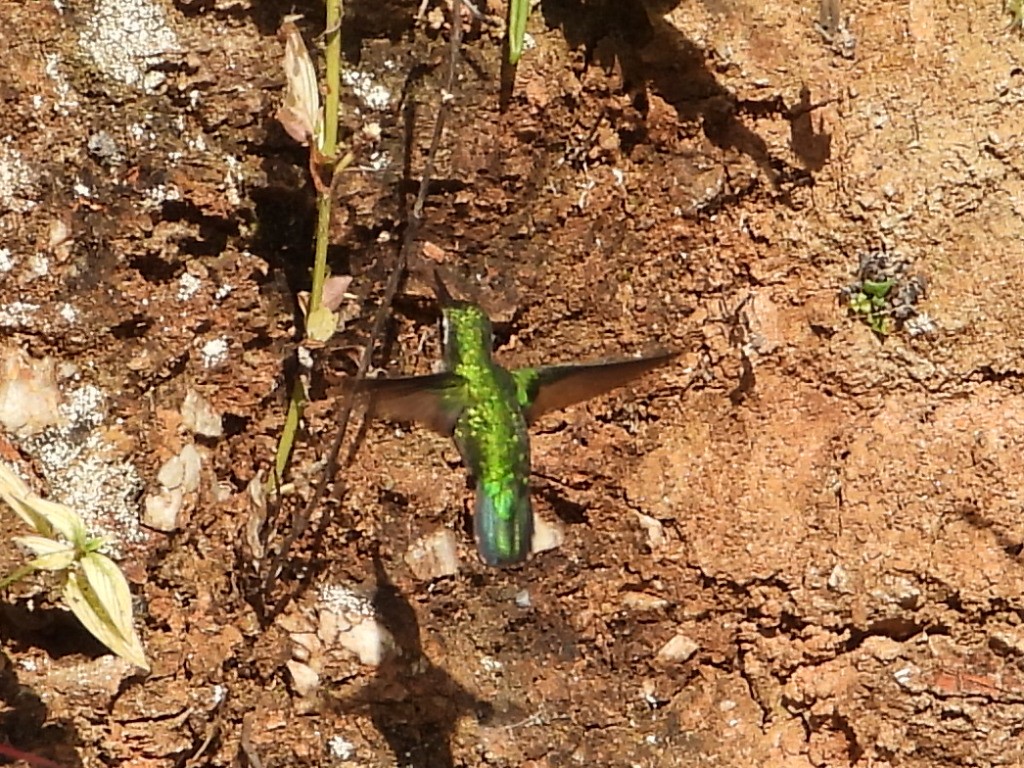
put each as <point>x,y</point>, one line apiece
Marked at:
<point>434,401</point>
<point>550,388</point>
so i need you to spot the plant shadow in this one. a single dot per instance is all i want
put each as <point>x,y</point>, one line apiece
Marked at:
<point>654,57</point>
<point>27,733</point>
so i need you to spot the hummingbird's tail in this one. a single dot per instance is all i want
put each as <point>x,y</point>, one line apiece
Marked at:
<point>502,522</point>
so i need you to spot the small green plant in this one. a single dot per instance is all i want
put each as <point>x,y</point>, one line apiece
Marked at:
<point>93,586</point>
<point>309,123</point>
<point>885,295</point>
<point>871,304</point>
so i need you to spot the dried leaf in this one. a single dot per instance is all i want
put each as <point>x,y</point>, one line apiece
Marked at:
<point>433,252</point>
<point>300,112</point>
<point>99,596</point>
<point>257,519</point>
<point>336,291</point>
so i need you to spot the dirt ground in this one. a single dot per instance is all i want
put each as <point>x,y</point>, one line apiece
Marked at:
<point>797,545</point>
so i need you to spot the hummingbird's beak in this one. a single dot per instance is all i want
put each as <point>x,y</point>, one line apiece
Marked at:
<point>443,297</point>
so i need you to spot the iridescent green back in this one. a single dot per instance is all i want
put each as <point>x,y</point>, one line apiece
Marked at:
<point>492,437</point>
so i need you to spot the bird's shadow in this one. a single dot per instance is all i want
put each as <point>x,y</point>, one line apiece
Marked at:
<point>413,703</point>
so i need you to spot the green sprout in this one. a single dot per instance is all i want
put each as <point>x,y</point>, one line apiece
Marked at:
<point>886,294</point>
<point>871,303</point>
<point>93,586</point>
<point>518,13</point>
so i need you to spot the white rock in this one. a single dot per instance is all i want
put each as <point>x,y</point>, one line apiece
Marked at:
<point>171,473</point>
<point>433,556</point>
<point>305,680</point>
<point>199,417</point>
<point>29,397</point>
<point>368,640</point>
<point>306,647</point>
<point>678,649</point>
<point>641,601</point>
<point>546,535</point>
<point>341,748</point>
<point>192,462</point>
<point>348,620</point>
<point>654,529</point>
<point>181,472</point>
<point>163,510</point>
<point>839,579</point>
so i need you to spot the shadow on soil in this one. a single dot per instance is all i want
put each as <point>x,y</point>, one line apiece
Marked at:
<point>26,736</point>
<point>654,57</point>
<point>414,704</point>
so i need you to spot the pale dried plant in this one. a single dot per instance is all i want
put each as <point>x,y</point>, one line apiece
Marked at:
<point>93,587</point>
<point>300,114</point>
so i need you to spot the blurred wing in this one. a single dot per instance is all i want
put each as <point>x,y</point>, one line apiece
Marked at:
<point>434,401</point>
<point>551,388</point>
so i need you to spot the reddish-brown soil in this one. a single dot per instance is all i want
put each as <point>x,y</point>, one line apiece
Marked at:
<point>797,545</point>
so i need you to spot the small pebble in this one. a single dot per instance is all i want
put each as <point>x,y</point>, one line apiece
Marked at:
<point>641,601</point>
<point>162,511</point>
<point>678,649</point>
<point>305,680</point>
<point>434,555</point>
<point>199,417</point>
<point>545,535</point>
<point>29,396</point>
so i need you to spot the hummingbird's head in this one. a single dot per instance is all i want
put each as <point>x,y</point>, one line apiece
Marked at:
<point>465,329</point>
<point>467,335</point>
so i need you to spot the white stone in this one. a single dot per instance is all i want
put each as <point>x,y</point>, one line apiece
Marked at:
<point>305,680</point>
<point>370,642</point>
<point>192,463</point>
<point>162,511</point>
<point>678,649</point>
<point>434,555</point>
<point>29,397</point>
<point>654,529</point>
<point>546,535</point>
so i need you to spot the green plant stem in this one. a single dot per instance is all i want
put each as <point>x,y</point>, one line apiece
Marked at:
<point>518,13</point>
<point>415,220</point>
<point>296,402</point>
<point>328,147</point>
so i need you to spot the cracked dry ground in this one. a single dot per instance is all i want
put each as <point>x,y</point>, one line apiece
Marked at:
<point>798,546</point>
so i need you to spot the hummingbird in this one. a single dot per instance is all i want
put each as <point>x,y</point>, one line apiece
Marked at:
<point>488,409</point>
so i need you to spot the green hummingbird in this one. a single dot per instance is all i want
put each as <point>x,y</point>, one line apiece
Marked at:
<point>487,409</point>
